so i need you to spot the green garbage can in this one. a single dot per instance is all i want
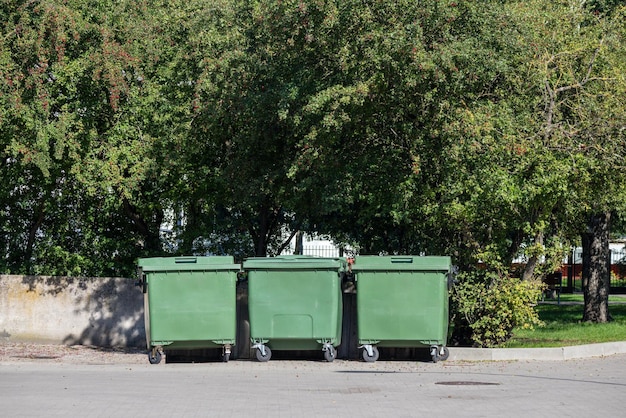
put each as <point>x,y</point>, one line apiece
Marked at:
<point>402,301</point>
<point>294,304</point>
<point>189,303</point>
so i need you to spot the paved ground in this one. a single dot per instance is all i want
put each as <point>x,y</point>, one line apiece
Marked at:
<point>38,380</point>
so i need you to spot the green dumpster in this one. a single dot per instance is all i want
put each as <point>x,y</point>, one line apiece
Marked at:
<point>295,304</point>
<point>189,303</point>
<point>402,301</point>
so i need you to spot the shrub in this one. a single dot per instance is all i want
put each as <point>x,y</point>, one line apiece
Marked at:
<point>487,306</point>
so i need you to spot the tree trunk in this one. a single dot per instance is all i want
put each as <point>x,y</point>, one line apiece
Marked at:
<point>268,222</point>
<point>529,270</point>
<point>39,215</point>
<point>148,229</point>
<point>299,250</point>
<point>596,272</point>
<point>260,234</point>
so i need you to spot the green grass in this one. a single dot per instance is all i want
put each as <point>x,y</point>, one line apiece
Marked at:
<point>563,326</point>
<point>578,297</point>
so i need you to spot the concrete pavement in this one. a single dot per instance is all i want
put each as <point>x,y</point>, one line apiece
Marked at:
<point>54,381</point>
<point>574,388</point>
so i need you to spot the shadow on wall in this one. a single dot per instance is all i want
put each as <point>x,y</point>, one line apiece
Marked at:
<point>114,307</point>
<point>103,312</point>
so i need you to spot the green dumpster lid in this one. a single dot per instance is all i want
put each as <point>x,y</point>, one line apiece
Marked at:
<point>404,262</point>
<point>295,262</point>
<point>225,262</point>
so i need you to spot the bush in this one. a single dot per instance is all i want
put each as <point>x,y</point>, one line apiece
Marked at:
<point>487,306</point>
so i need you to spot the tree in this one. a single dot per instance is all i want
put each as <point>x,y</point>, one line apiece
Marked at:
<point>258,76</point>
<point>381,124</point>
<point>76,146</point>
<point>43,48</point>
<point>585,115</point>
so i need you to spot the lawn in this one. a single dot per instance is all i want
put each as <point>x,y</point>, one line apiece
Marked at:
<point>563,326</point>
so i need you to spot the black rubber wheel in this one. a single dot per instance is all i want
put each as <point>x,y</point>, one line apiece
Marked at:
<point>444,354</point>
<point>263,358</point>
<point>373,357</point>
<point>225,357</point>
<point>156,358</point>
<point>330,354</point>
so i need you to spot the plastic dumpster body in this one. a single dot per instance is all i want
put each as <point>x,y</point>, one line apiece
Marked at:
<point>402,301</point>
<point>295,304</point>
<point>189,303</point>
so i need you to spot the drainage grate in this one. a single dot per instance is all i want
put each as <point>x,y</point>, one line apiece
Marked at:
<point>467,383</point>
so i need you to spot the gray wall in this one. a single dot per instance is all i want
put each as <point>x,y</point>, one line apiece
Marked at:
<point>108,312</point>
<point>104,312</point>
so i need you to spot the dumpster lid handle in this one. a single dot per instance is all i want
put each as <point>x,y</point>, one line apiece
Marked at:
<point>186,260</point>
<point>401,259</point>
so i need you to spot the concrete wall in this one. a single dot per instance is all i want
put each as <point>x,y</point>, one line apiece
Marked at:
<point>108,312</point>
<point>104,312</point>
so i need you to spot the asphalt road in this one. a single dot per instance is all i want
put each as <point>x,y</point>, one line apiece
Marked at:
<point>43,386</point>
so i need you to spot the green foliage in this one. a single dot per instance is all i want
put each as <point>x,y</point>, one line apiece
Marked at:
<point>76,153</point>
<point>483,130</point>
<point>488,306</point>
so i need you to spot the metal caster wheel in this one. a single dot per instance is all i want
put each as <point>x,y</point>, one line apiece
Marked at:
<point>330,354</point>
<point>154,356</point>
<point>263,357</point>
<point>439,353</point>
<point>444,354</point>
<point>371,358</point>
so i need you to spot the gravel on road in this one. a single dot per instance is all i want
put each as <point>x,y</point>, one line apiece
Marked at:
<point>16,352</point>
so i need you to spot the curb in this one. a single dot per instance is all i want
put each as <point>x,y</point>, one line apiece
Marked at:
<point>547,354</point>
